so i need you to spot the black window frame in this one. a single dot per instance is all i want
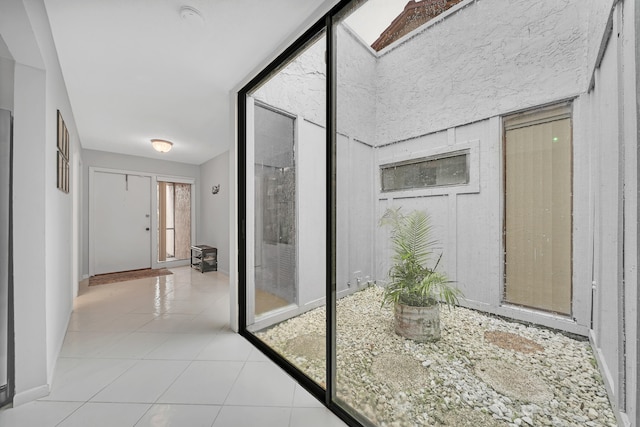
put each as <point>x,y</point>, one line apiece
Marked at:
<point>326,396</point>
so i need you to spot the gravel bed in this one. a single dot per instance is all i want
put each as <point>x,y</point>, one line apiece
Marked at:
<point>484,371</point>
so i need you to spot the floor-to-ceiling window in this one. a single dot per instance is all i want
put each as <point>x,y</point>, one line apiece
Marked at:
<point>285,205</point>
<point>407,189</point>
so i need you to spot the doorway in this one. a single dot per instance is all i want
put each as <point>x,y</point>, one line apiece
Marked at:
<point>538,210</point>
<point>121,222</point>
<point>174,221</point>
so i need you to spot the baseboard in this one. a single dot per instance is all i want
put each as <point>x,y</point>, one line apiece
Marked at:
<point>85,276</point>
<point>30,395</point>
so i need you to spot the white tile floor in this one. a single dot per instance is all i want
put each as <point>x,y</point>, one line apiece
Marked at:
<point>159,352</point>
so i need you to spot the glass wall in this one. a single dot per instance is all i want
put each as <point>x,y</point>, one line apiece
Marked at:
<point>412,207</point>
<point>286,140</point>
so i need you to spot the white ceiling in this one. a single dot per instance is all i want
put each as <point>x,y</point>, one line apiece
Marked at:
<point>136,70</point>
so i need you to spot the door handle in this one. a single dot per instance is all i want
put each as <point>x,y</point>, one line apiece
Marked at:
<point>147,228</point>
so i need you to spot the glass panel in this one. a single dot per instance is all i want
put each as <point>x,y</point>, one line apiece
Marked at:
<point>356,388</point>
<point>286,193</point>
<point>182,220</point>
<point>275,175</point>
<point>451,170</point>
<point>162,221</point>
<point>174,221</point>
<point>408,86</point>
<point>442,87</point>
<point>170,243</point>
<point>170,206</point>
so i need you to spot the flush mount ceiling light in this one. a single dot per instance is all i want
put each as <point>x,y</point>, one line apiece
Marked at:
<point>161,145</point>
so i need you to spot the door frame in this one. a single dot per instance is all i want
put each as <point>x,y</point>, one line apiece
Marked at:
<point>92,225</point>
<point>92,199</point>
<point>549,112</point>
<point>154,222</point>
<point>154,178</point>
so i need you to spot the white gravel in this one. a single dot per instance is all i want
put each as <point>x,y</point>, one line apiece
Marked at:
<point>460,380</point>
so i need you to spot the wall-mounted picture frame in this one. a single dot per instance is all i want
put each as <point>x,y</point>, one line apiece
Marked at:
<point>60,170</point>
<point>66,177</point>
<point>62,157</point>
<point>61,132</point>
<point>65,151</point>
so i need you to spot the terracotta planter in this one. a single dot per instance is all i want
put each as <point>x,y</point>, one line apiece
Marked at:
<point>420,324</point>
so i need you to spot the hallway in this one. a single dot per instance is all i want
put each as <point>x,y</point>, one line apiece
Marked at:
<point>159,352</point>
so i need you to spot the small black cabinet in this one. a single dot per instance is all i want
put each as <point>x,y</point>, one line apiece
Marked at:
<point>204,258</point>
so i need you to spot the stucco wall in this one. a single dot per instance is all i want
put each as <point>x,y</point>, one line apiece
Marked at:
<point>356,87</point>
<point>300,87</point>
<point>599,14</point>
<point>490,58</point>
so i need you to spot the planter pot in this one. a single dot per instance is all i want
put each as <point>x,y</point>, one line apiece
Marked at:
<point>420,324</point>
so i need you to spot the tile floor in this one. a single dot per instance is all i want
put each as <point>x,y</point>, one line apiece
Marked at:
<point>159,352</point>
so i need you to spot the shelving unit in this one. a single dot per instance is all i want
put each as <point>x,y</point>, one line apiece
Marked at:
<point>204,258</point>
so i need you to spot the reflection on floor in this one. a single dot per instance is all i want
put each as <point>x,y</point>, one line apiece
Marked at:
<point>159,352</point>
<point>266,301</point>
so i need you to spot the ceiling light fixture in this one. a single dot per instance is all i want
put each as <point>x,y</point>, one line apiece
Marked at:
<point>161,145</point>
<point>189,13</point>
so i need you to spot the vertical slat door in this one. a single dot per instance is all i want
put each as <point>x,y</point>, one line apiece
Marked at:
<point>538,204</point>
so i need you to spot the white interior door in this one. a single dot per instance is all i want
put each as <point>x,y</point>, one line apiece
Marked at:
<point>121,222</point>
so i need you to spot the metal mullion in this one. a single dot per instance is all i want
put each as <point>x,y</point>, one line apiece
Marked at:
<point>325,23</point>
<point>242,210</point>
<point>330,206</point>
<point>331,400</point>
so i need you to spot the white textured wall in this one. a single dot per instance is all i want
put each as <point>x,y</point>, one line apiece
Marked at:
<point>299,87</point>
<point>214,208</point>
<point>492,57</point>
<point>599,12</point>
<point>356,87</point>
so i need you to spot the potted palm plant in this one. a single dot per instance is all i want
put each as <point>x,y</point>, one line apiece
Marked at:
<point>414,288</point>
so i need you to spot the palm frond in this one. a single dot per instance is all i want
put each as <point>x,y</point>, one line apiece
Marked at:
<point>411,281</point>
